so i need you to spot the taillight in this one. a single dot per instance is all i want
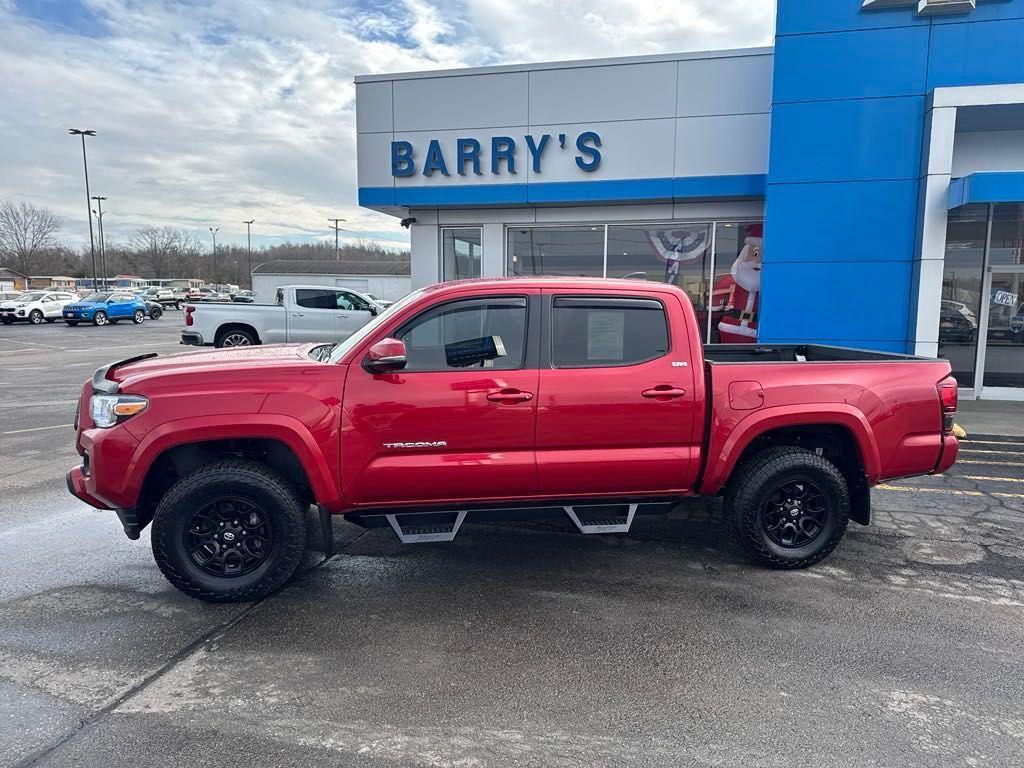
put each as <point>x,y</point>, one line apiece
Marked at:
<point>188,315</point>
<point>948,397</point>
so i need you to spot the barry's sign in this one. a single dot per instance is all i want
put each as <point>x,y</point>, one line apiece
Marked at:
<point>499,154</point>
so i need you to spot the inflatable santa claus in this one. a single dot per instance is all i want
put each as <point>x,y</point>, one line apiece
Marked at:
<point>737,294</point>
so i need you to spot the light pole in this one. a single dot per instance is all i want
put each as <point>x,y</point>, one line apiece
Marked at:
<point>103,243</point>
<point>248,242</point>
<point>88,198</point>
<point>337,229</point>
<point>213,233</point>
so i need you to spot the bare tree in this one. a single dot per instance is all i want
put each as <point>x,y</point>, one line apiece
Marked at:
<point>26,233</point>
<point>157,249</point>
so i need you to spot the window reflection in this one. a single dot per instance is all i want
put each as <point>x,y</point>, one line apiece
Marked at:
<point>564,251</point>
<point>460,253</point>
<point>966,229</point>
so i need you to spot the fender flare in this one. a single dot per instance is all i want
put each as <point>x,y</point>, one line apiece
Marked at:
<point>813,414</point>
<point>290,431</point>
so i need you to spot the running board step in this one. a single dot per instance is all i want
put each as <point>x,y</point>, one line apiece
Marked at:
<point>426,527</point>
<point>599,518</point>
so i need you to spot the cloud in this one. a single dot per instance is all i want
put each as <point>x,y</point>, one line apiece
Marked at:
<point>212,113</point>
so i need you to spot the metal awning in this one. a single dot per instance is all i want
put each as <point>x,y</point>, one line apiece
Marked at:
<point>987,187</point>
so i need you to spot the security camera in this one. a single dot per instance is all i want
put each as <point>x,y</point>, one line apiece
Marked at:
<point>408,222</point>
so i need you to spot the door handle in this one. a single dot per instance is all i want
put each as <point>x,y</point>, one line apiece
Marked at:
<point>666,391</point>
<point>298,314</point>
<point>509,396</point>
<point>342,317</point>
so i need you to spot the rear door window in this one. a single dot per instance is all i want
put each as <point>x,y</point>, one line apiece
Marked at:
<point>603,331</point>
<point>312,298</point>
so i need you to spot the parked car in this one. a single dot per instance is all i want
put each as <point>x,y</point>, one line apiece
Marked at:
<point>957,322</point>
<point>35,307</point>
<point>592,399</point>
<point>165,297</point>
<point>382,303</point>
<point>106,307</point>
<point>244,297</point>
<point>302,313</point>
<point>6,296</point>
<point>154,309</point>
<point>198,294</point>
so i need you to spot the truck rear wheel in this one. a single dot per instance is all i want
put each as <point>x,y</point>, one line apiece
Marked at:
<point>789,507</point>
<point>231,531</point>
<point>235,338</point>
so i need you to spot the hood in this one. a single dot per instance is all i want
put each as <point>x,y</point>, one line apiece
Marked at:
<point>215,361</point>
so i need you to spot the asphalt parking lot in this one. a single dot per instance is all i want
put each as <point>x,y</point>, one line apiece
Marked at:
<point>516,645</point>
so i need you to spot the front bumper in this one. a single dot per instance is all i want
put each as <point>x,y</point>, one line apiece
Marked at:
<point>192,337</point>
<point>127,515</point>
<point>69,314</point>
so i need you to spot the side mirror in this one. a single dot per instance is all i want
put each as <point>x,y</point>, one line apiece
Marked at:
<point>386,356</point>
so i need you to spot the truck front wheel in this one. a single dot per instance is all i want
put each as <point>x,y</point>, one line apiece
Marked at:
<point>231,531</point>
<point>789,507</point>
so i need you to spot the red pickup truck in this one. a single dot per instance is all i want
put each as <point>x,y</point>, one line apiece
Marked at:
<point>500,399</point>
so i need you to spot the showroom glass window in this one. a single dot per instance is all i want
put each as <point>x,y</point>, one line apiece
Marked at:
<point>561,251</point>
<point>1004,308</point>
<point>736,287</point>
<point>461,252</point>
<point>966,230</point>
<point>678,254</point>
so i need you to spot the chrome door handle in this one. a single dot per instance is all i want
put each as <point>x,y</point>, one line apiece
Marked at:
<point>297,314</point>
<point>509,396</point>
<point>663,391</point>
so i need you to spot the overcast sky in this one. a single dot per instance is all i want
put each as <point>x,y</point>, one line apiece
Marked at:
<point>209,113</point>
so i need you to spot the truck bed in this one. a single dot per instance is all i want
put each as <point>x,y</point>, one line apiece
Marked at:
<point>796,353</point>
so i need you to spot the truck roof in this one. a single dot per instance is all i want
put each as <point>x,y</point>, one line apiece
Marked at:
<point>530,281</point>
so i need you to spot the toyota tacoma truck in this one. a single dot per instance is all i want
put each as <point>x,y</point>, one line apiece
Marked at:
<point>301,313</point>
<point>485,400</point>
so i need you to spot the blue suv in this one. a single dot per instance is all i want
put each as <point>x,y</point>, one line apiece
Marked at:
<point>106,307</point>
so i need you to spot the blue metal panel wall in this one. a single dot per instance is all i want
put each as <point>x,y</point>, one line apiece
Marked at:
<point>848,102</point>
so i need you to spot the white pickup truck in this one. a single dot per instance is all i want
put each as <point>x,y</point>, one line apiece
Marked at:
<point>302,313</point>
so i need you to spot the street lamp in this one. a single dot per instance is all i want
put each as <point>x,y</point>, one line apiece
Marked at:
<point>248,241</point>
<point>213,232</point>
<point>337,229</point>
<point>88,198</point>
<point>103,243</point>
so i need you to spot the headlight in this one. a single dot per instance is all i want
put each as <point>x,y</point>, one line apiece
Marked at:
<point>108,410</point>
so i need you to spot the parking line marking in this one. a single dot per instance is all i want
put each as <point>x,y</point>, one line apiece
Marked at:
<point>993,442</point>
<point>981,450</point>
<point>953,491</point>
<point>36,429</point>
<point>991,463</point>
<point>996,479</point>
<point>29,343</point>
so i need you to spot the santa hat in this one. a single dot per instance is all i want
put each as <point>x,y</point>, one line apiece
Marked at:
<point>754,233</point>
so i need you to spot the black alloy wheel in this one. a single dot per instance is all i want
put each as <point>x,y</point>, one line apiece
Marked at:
<point>795,514</point>
<point>228,537</point>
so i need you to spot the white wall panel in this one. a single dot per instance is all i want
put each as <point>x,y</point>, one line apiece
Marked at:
<point>373,152</point>
<point>589,94</point>
<point>725,86</point>
<point>721,145</point>
<point>474,101</point>
<point>373,107</point>
<point>426,262</point>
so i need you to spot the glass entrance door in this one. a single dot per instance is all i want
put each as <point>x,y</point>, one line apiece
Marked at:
<point>1003,355</point>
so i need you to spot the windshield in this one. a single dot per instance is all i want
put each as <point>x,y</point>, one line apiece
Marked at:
<point>98,298</point>
<point>342,347</point>
<point>31,296</point>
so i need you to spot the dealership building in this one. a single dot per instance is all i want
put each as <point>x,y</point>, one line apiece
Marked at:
<point>859,183</point>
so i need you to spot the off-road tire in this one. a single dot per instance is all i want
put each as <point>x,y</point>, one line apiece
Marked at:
<point>237,478</point>
<point>139,316</point>
<point>36,317</point>
<point>756,479</point>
